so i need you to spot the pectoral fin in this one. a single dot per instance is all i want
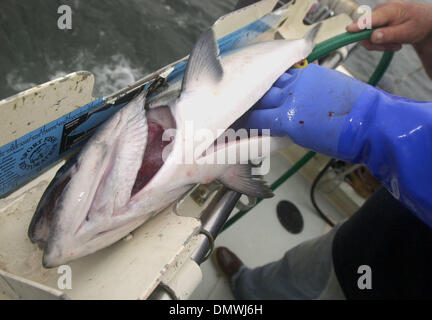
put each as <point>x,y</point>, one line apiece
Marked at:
<point>239,178</point>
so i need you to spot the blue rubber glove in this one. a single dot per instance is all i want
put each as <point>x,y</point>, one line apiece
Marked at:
<point>331,113</point>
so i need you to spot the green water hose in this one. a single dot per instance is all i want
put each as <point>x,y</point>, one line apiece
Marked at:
<point>326,47</point>
<point>321,50</point>
<point>381,68</point>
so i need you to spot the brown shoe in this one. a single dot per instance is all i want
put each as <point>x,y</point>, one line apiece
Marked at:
<point>226,261</point>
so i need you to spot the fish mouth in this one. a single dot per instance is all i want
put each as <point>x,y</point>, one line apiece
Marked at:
<point>158,120</point>
<point>64,241</point>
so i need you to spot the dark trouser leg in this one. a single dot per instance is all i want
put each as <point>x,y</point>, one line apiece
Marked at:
<point>305,272</point>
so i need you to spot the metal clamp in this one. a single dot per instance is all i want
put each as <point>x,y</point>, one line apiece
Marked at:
<point>211,242</point>
<point>183,198</point>
<point>252,201</point>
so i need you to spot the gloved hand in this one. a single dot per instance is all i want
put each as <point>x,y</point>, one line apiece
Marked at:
<point>309,105</point>
<point>331,113</point>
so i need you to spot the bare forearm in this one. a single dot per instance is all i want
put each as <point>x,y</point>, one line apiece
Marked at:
<point>424,51</point>
<point>398,23</point>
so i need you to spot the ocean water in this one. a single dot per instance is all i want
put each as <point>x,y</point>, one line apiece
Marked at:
<point>119,41</point>
<point>122,41</point>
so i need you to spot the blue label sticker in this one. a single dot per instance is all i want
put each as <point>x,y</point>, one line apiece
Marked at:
<point>23,158</point>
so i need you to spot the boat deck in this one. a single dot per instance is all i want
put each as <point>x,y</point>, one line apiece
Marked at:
<point>258,238</point>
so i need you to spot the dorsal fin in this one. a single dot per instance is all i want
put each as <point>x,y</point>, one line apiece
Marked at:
<point>204,67</point>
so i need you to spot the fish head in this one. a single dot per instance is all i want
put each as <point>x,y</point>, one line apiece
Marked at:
<point>90,203</point>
